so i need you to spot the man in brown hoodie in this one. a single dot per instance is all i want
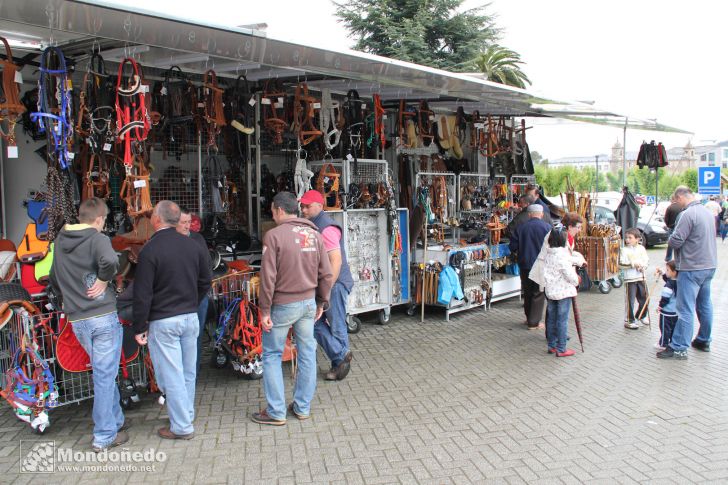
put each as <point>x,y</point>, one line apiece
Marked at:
<point>295,282</point>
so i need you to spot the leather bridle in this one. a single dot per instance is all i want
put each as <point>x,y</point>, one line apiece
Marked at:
<point>10,106</point>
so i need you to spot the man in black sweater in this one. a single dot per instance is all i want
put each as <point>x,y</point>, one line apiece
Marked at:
<point>171,278</point>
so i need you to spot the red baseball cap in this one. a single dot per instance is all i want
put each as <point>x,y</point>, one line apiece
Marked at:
<point>312,196</point>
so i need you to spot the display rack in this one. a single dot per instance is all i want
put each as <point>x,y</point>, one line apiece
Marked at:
<point>518,185</point>
<point>442,216</point>
<point>602,259</point>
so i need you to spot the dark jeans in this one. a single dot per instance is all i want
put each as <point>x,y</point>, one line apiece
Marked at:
<point>331,331</point>
<point>202,317</point>
<point>667,326</point>
<point>534,300</point>
<point>636,290</point>
<point>557,323</point>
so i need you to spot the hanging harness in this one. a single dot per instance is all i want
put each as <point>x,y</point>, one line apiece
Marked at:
<point>214,114</point>
<point>54,106</point>
<point>330,116</point>
<point>303,116</point>
<point>302,175</point>
<point>273,101</point>
<point>11,108</point>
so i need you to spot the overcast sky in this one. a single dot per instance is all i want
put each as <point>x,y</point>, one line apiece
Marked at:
<point>645,58</point>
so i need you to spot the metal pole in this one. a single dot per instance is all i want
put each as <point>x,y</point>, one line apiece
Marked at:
<point>624,153</point>
<point>596,184</point>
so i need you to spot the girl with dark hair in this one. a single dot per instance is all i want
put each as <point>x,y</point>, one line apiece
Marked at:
<point>560,280</point>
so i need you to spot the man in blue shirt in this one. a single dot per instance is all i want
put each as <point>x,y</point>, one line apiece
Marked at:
<point>527,241</point>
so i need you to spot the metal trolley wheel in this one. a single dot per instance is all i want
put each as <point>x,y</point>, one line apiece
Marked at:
<point>616,282</point>
<point>219,359</point>
<point>353,324</point>
<point>604,287</point>
<point>384,316</point>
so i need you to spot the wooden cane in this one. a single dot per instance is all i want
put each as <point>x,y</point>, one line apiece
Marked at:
<point>424,271</point>
<point>647,301</point>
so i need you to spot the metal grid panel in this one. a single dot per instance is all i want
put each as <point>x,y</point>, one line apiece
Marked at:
<point>73,387</point>
<point>365,171</point>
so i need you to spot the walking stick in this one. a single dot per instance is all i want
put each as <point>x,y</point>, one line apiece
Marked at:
<point>424,271</point>
<point>647,302</point>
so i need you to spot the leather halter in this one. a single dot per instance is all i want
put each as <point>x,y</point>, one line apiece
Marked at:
<point>54,106</point>
<point>405,117</point>
<point>214,114</point>
<point>303,116</point>
<point>329,175</point>
<point>273,101</point>
<point>10,106</point>
<point>94,114</point>
<point>377,135</point>
<point>132,118</point>
<point>354,119</point>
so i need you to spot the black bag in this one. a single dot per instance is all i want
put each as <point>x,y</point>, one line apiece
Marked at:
<point>585,283</point>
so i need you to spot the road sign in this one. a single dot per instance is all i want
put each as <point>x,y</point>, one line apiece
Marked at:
<point>651,200</point>
<point>709,180</point>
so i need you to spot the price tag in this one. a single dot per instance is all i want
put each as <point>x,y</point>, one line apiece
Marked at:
<point>326,180</point>
<point>219,184</point>
<point>251,102</point>
<point>316,105</point>
<point>277,105</point>
<point>384,117</point>
<point>138,184</point>
<point>200,105</point>
<point>280,101</point>
<point>18,77</point>
<point>432,118</point>
<point>145,88</point>
<point>228,249</point>
<point>49,307</point>
<point>12,152</point>
<point>107,147</point>
<point>363,106</point>
<point>94,174</point>
<point>70,155</point>
<point>349,157</point>
<point>69,85</point>
<point>264,101</point>
<point>163,91</point>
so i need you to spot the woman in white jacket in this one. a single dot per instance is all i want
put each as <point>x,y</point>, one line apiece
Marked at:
<point>560,281</point>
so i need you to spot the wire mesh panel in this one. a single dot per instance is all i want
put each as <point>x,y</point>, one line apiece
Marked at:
<point>365,171</point>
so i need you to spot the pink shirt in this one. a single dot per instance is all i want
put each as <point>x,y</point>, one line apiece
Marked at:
<point>332,237</point>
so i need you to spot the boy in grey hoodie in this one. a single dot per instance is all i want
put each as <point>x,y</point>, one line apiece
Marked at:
<point>83,264</point>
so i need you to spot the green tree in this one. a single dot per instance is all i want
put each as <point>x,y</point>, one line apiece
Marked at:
<point>502,66</point>
<point>436,33</point>
<point>536,157</point>
<point>690,178</point>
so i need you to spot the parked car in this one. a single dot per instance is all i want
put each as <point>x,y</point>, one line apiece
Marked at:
<point>653,231</point>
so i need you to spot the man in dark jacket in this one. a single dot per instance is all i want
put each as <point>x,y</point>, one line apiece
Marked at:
<point>527,241</point>
<point>331,331</point>
<point>671,215</point>
<point>185,223</point>
<point>295,282</point>
<point>84,263</point>
<point>171,278</point>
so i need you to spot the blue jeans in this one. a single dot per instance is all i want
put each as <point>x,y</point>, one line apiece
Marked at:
<point>173,348</point>
<point>298,315</point>
<point>101,339</point>
<point>557,323</point>
<point>331,331</point>
<point>693,296</point>
<point>202,317</point>
<point>723,230</point>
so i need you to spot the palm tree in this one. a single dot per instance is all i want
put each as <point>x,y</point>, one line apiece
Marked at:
<point>502,66</point>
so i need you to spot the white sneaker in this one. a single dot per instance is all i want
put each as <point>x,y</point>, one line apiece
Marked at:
<point>645,322</point>
<point>632,325</point>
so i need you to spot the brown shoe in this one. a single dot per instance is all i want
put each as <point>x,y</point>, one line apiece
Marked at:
<point>121,438</point>
<point>263,418</point>
<point>168,435</point>
<point>342,370</point>
<point>301,417</point>
<point>331,374</point>
<point>349,355</point>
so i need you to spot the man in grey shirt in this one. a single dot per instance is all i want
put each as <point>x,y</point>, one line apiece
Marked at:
<point>696,258</point>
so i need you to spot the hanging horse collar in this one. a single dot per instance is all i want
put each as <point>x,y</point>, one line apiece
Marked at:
<point>10,106</point>
<point>94,115</point>
<point>54,105</point>
<point>132,118</point>
<point>331,114</point>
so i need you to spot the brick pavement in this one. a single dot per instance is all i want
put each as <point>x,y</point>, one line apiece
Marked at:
<point>477,400</point>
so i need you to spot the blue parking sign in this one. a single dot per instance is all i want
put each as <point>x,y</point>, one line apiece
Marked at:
<point>709,180</point>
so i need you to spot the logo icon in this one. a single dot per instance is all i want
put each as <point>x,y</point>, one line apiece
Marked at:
<point>37,456</point>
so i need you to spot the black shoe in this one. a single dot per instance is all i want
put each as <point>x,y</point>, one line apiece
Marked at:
<point>704,346</point>
<point>342,370</point>
<point>670,353</point>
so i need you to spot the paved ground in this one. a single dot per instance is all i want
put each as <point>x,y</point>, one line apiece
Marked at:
<point>477,400</point>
